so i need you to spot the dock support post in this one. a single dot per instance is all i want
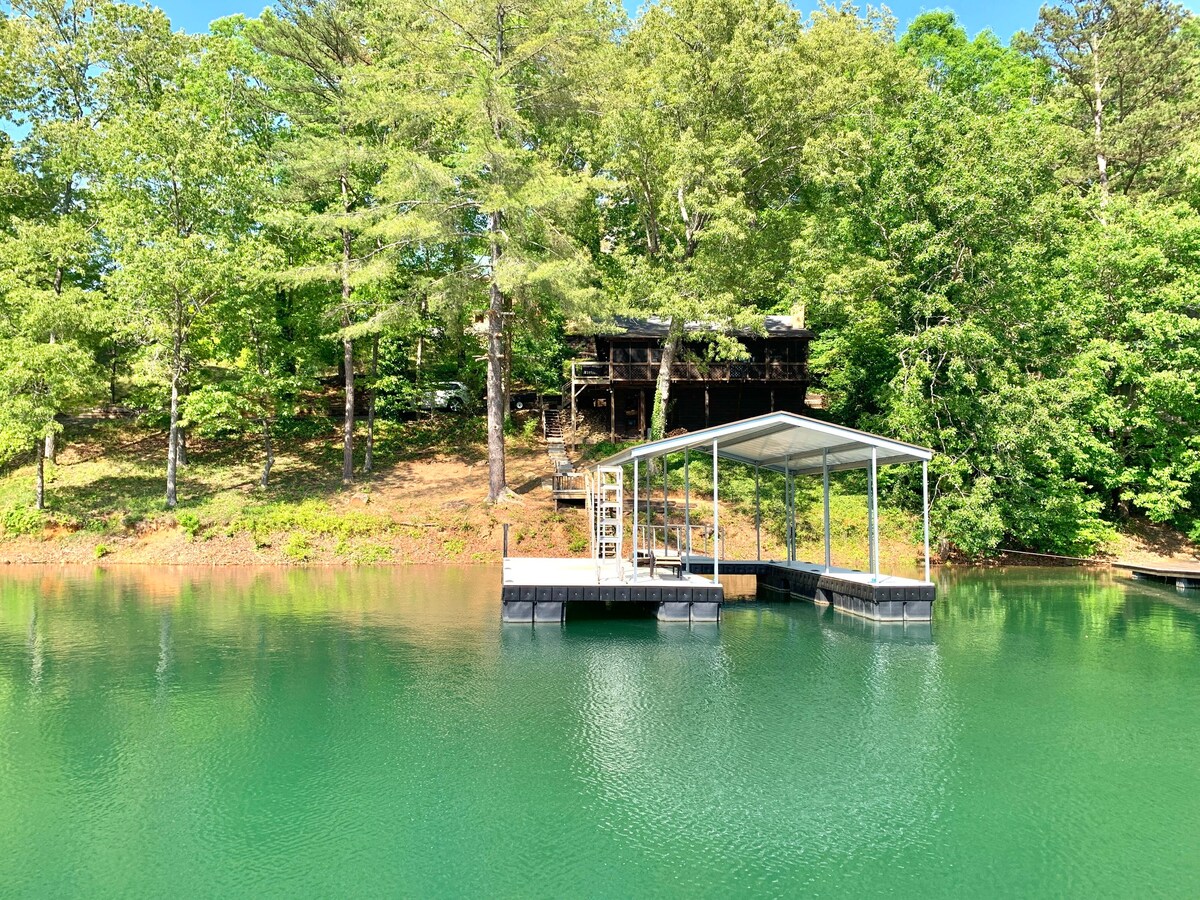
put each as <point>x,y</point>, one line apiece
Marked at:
<point>635,518</point>
<point>873,513</point>
<point>925,511</point>
<point>649,509</point>
<point>825,491</point>
<point>757,517</point>
<point>716,523</point>
<point>687,511</point>
<point>666,549</point>
<point>789,518</point>
<point>505,550</point>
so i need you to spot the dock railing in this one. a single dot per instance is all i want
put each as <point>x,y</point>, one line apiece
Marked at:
<point>674,539</point>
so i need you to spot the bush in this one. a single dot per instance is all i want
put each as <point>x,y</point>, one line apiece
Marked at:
<point>372,553</point>
<point>532,429</point>
<point>24,520</point>
<point>312,516</point>
<point>101,551</point>
<point>297,548</point>
<point>189,522</point>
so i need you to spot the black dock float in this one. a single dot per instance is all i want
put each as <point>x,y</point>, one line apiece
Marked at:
<point>890,599</point>
<point>546,603</point>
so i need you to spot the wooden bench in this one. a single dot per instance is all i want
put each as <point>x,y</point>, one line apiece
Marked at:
<point>651,560</point>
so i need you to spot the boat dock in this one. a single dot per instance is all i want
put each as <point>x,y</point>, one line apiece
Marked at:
<point>685,585</point>
<point>538,589</point>
<point>1183,577</point>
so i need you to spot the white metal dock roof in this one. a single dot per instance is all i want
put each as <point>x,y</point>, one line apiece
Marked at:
<point>783,442</point>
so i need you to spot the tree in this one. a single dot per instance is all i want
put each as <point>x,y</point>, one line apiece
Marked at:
<point>1131,71</point>
<point>255,389</point>
<point>57,46</point>
<point>701,139</point>
<point>504,84</point>
<point>180,171</point>
<point>315,50</point>
<point>983,73</point>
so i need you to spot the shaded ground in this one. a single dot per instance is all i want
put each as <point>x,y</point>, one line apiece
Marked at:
<point>424,503</point>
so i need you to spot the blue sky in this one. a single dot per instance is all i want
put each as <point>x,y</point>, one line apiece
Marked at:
<point>1002,16</point>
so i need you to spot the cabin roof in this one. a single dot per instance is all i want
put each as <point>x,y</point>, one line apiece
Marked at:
<point>656,327</point>
<point>783,442</point>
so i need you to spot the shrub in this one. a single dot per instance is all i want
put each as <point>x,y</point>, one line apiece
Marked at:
<point>189,522</point>
<point>297,548</point>
<point>101,551</point>
<point>454,546</point>
<point>579,543</point>
<point>24,520</point>
<point>372,553</point>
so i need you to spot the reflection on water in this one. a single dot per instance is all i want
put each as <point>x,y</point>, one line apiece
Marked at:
<point>327,732</point>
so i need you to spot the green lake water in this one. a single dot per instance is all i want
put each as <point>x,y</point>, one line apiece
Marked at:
<point>171,732</point>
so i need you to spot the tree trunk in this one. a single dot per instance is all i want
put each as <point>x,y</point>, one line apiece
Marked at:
<point>268,453</point>
<point>40,484</point>
<point>348,420</point>
<point>1098,118</point>
<point>51,444</point>
<point>497,406</point>
<point>173,444</point>
<point>369,454</point>
<point>497,479</point>
<point>662,388</point>
<point>347,347</point>
<point>181,457</point>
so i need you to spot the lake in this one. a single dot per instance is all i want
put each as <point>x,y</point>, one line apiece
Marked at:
<point>291,732</point>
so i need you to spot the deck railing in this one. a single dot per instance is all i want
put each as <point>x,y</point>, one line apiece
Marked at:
<point>569,484</point>
<point>737,370</point>
<point>673,539</point>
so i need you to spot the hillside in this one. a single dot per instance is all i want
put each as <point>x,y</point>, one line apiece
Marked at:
<point>424,503</point>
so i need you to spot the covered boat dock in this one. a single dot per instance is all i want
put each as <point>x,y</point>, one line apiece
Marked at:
<point>679,564</point>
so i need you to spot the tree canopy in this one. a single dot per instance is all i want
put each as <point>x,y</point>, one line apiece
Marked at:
<point>996,245</point>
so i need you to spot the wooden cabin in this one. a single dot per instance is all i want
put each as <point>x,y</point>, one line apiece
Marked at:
<point>613,379</point>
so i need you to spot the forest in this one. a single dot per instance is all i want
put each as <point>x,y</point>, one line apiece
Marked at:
<point>996,245</point>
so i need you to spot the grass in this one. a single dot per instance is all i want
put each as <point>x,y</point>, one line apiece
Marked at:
<point>110,481</point>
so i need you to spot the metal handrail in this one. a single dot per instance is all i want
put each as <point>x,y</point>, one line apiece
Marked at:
<point>736,370</point>
<point>674,539</point>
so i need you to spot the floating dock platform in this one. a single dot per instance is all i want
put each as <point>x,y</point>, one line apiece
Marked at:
<point>1183,577</point>
<point>537,589</point>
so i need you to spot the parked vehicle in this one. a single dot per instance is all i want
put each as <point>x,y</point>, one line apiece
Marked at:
<point>450,396</point>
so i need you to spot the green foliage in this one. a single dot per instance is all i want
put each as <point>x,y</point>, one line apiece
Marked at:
<point>23,520</point>
<point>996,246</point>
<point>308,517</point>
<point>298,548</point>
<point>101,551</point>
<point>189,523</point>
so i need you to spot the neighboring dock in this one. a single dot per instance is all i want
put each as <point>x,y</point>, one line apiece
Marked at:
<point>686,586</point>
<point>1183,577</point>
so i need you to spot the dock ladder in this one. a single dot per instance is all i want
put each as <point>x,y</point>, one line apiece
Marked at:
<point>605,501</point>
